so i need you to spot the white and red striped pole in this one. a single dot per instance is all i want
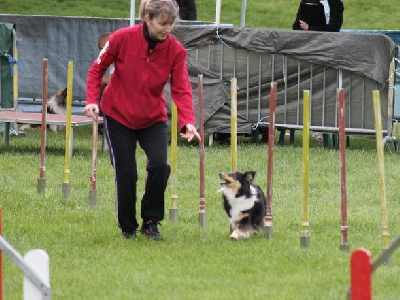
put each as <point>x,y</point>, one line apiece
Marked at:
<point>268,225</point>
<point>344,245</point>
<point>202,206</point>
<point>93,175</point>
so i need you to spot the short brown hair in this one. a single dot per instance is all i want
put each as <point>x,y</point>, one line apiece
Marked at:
<point>154,8</point>
<point>103,39</point>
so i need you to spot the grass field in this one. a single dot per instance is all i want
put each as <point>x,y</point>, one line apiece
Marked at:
<point>88,258</point>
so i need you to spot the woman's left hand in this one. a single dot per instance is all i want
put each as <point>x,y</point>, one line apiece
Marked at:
<point>304,25</point>
<point>190,133</point>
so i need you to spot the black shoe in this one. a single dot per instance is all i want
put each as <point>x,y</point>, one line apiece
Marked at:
<point>149,229</point>
<point>128,235</point>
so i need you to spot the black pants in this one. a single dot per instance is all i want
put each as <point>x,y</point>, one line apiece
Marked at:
<point>122,143</point>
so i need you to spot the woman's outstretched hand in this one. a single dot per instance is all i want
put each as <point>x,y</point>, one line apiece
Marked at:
<point>190,133</point>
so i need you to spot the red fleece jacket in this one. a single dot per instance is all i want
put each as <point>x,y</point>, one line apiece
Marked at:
<point>135,95</point>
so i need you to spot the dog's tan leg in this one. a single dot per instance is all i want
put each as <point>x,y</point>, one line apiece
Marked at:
<point>242,216</point>
<point>239,233</point>
<point>235,235</point>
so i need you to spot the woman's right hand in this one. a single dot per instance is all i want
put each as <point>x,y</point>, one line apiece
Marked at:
<point>91,111</point>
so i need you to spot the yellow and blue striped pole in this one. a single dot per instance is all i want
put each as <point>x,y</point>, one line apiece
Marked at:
<point>66,188</point>
<point>305,234</point>
<point>381,168</point>
<point>173,211</point>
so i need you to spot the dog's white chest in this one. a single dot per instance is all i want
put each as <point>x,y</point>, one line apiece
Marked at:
<point>240,204</point>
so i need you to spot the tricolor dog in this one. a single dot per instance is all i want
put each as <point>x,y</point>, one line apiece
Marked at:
<point>244,202</point>
<point>57,104</point>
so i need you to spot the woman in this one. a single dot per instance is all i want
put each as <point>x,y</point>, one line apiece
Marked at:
<point>316,15</point>
<point>187,10</point>
<point>319,15</point>
<point>145,57</point>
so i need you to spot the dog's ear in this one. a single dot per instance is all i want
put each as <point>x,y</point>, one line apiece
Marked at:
<point>238,176</point>
<point>249,175</point>
<point>64,92</point>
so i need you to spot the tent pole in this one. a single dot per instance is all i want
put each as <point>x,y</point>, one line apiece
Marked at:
<point>243,14</point>
<point>132,13</point>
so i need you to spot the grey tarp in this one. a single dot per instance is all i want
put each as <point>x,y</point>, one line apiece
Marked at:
<point>296,60</point>
<point>395,36</point>
<point>368,54</point>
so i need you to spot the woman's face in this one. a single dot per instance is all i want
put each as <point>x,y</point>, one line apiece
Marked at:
<point>159,27</point>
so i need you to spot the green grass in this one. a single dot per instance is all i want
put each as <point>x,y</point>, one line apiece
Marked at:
<point>89,260</point>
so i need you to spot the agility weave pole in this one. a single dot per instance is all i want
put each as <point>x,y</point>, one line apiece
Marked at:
<point>381,168</point>
<point>202,206</point>
<point>268,220</point>
<point>233,124</point>
<point>93,175</point>
<point>41,183</point>
<point>305,234</point>
<point>344,245</point>
<point>173,211</point>
<point>66,186</point>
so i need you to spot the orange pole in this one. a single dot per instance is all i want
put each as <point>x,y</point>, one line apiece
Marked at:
<point>42,167</point>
